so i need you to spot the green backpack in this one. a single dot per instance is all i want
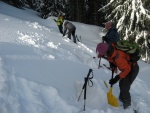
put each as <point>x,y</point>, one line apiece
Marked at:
<point>130,48</point>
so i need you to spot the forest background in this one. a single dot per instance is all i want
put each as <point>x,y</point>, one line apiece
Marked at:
<point>131,17</point>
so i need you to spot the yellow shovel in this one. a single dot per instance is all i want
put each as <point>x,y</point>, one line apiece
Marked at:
<point>112,100</point>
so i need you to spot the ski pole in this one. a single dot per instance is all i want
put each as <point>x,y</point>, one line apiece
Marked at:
<point>86,79</point>
<point>77,38</point>
<point>80,39</point>
<point>99,63</point>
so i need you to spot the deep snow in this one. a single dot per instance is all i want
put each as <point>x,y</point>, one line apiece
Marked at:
<point>43,72</point>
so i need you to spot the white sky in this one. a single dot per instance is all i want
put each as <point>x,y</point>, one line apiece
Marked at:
<point>43,72</point>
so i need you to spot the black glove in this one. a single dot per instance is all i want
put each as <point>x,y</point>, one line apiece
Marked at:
<point>104,38</point>
<point>114,80</point>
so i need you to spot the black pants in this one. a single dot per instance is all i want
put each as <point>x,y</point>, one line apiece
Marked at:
<point>125,85</point>
<point>72,31</point>
<point>60,28</point>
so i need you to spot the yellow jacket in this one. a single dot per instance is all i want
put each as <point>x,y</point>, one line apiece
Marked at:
<point>59,21</point>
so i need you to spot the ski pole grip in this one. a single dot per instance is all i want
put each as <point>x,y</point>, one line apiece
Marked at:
<point>90,70</point>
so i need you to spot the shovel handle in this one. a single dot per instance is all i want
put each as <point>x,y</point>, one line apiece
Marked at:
<point>113,69</point>
<point>99,64</point>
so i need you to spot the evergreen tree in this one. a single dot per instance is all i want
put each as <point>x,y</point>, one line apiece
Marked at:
<point>146,3</point>
<point>67,10</point>
<point>86,11</point>
<point>16,3</point>
<point>132,20</point>
<point>73,9</point>
<point>47,8</point>
<point>96,17</point>
<point>31,3</point>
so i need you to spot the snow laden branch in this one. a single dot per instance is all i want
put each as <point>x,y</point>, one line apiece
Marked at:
<point>132,21</point>
<point>104,8</point>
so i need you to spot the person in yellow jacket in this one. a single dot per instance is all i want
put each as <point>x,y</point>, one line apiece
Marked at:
<point>59,22</point>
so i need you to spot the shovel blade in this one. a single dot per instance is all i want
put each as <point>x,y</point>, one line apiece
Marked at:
<point>112,100</point>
